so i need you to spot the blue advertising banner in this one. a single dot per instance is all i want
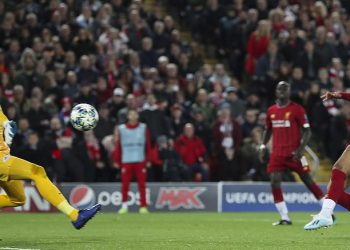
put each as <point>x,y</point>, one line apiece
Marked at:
<point>245,197</point>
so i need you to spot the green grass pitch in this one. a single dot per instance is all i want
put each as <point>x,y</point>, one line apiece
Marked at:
<point>170,231</point>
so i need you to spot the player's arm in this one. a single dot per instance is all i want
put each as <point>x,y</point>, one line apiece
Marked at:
<point>265,137</point>
<point>303,123</point>
<point>305,138</point>
<point>335,95</point>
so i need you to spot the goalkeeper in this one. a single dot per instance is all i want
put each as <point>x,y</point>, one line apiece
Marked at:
<point>13,170</point>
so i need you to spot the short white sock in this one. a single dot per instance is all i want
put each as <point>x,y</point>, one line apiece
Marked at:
<point>283,210</point>
<point>327,208</point>
<point>125,205</point>
<point>320,201</point>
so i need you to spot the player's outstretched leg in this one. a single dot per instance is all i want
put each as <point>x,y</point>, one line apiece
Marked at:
<point>312,186</point>
<point>335,193</point>
<point>24,170</point>
<point>281,206</point>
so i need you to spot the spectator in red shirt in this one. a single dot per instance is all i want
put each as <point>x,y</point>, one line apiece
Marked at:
<point>192,152</point>
<point>257,45</point>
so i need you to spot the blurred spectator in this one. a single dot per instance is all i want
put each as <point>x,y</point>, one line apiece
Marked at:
<point>257,45</point>
<point>105,123</point>
<point>309,60</point>
<point>236,105</point>
<point>154,118</point>
<point>148,56</point>
<point>227,141</point>
<point>220,76</point>
<point>254,168</point>
<point>167,162</point>
<point>116,102</point>
<point>192,152</point>
<point>94,158</point>
<point>86,95</point>
<point>66,165</point>
<point>267,66</point>
<point>28,77</point>
<point>36,151</point>
<point>86,73</point>
<point>38,118</point>
<point>177,120</point>
<point>202,103</point>
<point>250,118</point>
<point>130,105</point>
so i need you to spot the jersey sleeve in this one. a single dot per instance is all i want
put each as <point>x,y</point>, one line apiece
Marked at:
<point>301,118</point>
<point>345,96</point>
<point>268,123</point>
<point>3,117</point>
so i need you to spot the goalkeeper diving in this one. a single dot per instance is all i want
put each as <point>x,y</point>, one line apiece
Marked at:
<point>13,170</point>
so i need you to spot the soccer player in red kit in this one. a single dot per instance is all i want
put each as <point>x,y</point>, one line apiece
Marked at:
<point>340,171</point>
<point>132,154</point>
<point>286,121</point>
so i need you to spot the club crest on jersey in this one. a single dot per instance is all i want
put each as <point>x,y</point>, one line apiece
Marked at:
<point>6,158</point>
<point>287,115</point>
<point>272,116</point>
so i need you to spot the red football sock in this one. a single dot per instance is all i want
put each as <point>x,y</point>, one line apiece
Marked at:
<point>344,200</point>
<point>277,194</point>
<point>336,188</point>
<point>316,190</point>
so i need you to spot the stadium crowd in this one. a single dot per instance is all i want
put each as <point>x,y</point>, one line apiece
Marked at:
<point>205,124</point>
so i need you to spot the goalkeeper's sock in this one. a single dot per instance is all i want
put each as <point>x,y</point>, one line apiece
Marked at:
<point>68,210</point>
<point>344,200</point>
<point>327,208</point>
<point>283,210</point>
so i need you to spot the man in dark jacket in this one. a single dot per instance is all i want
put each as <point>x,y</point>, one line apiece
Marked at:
<point>154,118</point>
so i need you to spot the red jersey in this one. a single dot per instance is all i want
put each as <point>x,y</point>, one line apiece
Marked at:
<point>286,123</point>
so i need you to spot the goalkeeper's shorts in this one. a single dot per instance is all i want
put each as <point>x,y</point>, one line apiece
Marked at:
<point>6,161</point>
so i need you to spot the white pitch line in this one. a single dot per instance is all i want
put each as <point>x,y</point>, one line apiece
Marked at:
<point>15,248</point>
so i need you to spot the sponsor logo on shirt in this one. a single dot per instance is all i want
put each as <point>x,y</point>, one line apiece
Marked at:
<point>280,124</point>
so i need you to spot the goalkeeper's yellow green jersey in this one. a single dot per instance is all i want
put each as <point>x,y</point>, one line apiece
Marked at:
<point>4,148</point>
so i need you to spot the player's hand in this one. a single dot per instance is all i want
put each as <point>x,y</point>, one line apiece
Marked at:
<point>116,165</point>
<point>262,152</point>
<point>297,154</point>
<point>10,129</point>
<point>330,95</point>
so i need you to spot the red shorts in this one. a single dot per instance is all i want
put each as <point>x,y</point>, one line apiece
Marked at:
<point>281,163</point>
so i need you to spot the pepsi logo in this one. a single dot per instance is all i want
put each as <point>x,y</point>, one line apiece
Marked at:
<point>82,196</point>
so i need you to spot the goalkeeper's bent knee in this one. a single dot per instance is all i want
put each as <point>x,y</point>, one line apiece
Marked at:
<point>38,171</point>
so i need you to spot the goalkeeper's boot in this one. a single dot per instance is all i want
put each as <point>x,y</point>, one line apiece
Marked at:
<point>85,215</point>
<point>143,210</point>
<point>123,210</point>
<point>319,221</point>
<point>282,223</point>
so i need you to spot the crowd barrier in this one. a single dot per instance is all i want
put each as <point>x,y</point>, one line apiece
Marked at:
<point>178,197</point>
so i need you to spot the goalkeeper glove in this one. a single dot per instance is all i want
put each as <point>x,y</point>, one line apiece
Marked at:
<point>10,129</point>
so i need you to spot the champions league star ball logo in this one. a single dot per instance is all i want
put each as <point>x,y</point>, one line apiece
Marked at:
<point>82,196</point>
